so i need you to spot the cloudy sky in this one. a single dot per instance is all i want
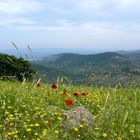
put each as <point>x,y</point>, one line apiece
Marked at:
<point>97,24</point>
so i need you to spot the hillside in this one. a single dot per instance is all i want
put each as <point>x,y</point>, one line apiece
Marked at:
<point>105,62</point>
<point>134,56</point>
<point>47,73</point>
<point>77,66</point>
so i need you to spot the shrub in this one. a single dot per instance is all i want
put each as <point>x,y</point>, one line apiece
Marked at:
<point>18,67</point>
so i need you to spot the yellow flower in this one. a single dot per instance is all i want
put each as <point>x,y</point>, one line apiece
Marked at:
<point>11,124</point>
<point>81,126</point>
<point>76,129</point>
<point>28,120</point>
<point>36,124</point>
<point>94,117</point>
<point>16,136</point>
<point>9,133</point>
<point>29,130</point>
<point>25,125</point>
<point>46,122</point>
<point>55,113</point>
<point>74,111</point>
<point>83,120</point>
<point>96,128</point>
<point>31,125</point>
<point>56,132</point>
<point>104,135</point>
<point>6,112</point>
<point>36,134</point>
<point>132,131</point>
<point>59,118</point>
<point>44,132</point>
<point>42,116</point>
<point>78,135</point>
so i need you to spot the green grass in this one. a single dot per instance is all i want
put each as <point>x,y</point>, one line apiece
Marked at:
<point>28,112</point>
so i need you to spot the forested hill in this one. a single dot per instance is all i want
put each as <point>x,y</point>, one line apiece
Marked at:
<point>77,66</point>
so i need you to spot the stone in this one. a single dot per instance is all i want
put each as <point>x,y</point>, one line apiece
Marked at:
<point>77,115</point>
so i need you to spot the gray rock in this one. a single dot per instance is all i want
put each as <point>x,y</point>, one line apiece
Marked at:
<point>77,115</point>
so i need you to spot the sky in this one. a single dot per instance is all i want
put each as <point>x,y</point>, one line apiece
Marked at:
<point>86,24</point>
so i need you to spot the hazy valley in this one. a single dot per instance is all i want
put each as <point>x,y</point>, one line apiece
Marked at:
<point>112,67</point>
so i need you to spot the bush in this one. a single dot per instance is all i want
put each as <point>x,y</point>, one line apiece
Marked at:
<point>16,67</point>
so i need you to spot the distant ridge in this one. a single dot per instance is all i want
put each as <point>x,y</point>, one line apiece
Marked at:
<point>77,66</point>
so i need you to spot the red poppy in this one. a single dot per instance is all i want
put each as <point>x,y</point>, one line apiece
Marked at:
<point>6,122</point>
<point>49,122</point>
<point>76,94</point>
<point>54,86</point>
<point>38,85</point>
<point>68,102</point>
<point>64,92</point>
<point>84,93</point>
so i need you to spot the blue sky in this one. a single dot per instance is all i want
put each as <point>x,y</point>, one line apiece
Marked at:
<point>94,24</point>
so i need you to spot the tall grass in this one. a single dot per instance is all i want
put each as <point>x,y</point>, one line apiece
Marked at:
<point>31,112</point>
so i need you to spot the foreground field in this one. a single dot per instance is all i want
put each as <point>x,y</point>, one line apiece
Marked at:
<point>34,112</point>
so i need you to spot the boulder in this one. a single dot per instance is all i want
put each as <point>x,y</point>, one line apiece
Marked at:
<point>77,115</point>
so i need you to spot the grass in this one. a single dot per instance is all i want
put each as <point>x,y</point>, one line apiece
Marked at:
<point>35,113</point>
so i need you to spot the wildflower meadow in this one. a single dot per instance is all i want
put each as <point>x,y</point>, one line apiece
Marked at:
<point>33,111</point>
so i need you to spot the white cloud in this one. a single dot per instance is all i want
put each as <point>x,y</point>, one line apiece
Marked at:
<point>19,11</point>
<point>16,12</point>
<point>128,4</point>
<point>17,7</point>
<point>90,34</point>
<point>101,35</point>
<point>16,22</point>
<point>88,27</point>
<point>89,4</point>
<point>105,5</point>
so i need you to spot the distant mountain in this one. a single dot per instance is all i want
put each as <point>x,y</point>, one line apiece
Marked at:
<point>128,52</point>
<point>133,55</point>
<point>104,62</point>
<point>79,67</point>
<point>38,53</point>
<point>47,73</point>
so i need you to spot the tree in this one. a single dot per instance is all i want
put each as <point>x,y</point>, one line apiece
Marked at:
<point>18,67</point>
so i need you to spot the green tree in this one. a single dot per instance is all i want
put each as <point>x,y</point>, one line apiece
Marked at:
<point>18,67</point>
